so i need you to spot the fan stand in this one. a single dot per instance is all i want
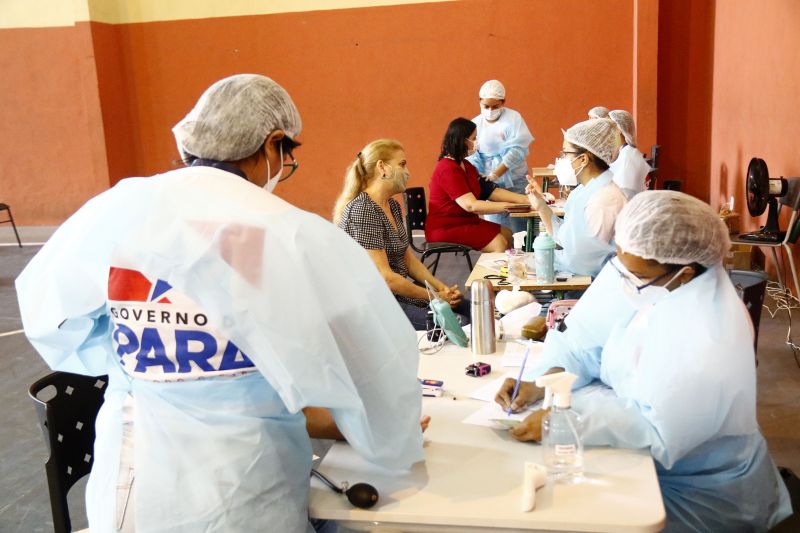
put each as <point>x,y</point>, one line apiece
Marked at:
<point>769,233</point>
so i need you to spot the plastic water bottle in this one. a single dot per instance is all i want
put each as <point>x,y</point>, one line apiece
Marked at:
<point>561,429</point>
<point>544,249</point>
<point>516,266</point>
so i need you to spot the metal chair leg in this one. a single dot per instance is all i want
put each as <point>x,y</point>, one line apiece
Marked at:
<point>794,270</point>
<point>435,264</point>
<point>13,226</point>
<point>469,261</point>
<point>778,268</point>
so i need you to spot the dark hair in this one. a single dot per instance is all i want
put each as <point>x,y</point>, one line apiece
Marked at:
<point>453,143</point>
<point>599,163</point>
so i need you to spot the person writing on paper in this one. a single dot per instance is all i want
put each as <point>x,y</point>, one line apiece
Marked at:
<point>629,168</point>
<point>666,334</point>
<point>217,327</point>
<point>367,211</point>
<point>586,233</point>
<point>458,195</point>
<point>503,141</point>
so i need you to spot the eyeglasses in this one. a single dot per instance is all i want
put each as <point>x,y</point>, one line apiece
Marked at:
<point>287,146</point>
<point>562,153</point>
<point>634,281</point>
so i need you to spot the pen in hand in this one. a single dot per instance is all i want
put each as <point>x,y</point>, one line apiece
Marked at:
<point>519,378</point>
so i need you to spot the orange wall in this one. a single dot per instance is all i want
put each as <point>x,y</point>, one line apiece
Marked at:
<point>685,72</point>
<point>52,156</point>
<point>357,74</point>
<point>756,99</point>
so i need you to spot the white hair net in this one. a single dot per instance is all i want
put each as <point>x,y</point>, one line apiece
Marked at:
<point>492,90</point>
<point>596,135</point>
<point>626,125</point>
<point>672,228</point>
<point>233,117</point>
<point>598,112</point>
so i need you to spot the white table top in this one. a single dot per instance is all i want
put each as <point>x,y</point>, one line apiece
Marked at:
<point>471,478</point>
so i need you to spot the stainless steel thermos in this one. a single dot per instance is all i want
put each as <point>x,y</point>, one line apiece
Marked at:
<point>482,338</point>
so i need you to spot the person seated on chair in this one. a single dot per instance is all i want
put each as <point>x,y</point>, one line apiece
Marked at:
<point>458,195</point>
<point>665,337</point>
<point>217,327</point>
<point>586,233</point>
<point>367,212</point>
<point>629,167</point>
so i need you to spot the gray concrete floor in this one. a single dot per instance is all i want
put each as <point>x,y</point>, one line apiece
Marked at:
<point>24,503</point>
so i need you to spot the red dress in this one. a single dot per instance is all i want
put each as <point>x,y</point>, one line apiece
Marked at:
<point>447,221</point>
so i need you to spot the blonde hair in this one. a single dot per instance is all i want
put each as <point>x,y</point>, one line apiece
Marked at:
<point>362,169</point>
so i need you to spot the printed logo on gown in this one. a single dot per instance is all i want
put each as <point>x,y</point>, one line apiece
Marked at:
<point>161,335</point>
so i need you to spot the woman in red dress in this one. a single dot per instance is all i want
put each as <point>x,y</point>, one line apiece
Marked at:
<point>458,195</point>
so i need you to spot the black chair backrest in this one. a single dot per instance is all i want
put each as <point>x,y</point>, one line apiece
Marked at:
<point>416,213</point>
<point>792,197</point>
<point>655,153</point>
<point>67,419</point>
<point>416,210</point>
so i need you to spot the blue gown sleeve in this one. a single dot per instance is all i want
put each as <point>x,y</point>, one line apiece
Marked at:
<point>579,348</point>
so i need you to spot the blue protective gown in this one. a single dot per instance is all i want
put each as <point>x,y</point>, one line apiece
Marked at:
<point>582,254</point>
<point>681,378</point>
<point>220,438</point>
<point>506,141</point>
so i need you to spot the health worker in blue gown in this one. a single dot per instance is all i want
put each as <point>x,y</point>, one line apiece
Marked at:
<point>220,312</point>
<point>668,341</point>
<point>503,141</point>
<point>629,168</point>
<point>586,232</point>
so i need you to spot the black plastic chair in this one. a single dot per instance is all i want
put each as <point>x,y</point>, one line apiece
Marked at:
<point>67,419</point>
<point>416,213</point>
<point>792,523</point>
<point>7,208</point>
<point>655,154</point>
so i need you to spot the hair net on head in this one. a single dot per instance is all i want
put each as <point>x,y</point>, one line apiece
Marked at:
<point>233,117</point>
<point>672,228</point>
<point>598,112</point>
<point>596,135</point>
<point>492,90</point>
<point>626,125</point>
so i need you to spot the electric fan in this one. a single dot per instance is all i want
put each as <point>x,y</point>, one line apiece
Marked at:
<point>761,192</point>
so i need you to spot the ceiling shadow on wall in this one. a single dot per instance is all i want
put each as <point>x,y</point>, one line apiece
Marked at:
<point>685,90</point>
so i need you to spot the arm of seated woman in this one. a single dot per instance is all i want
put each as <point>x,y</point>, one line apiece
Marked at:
<point>399,285</point>
<point>470,204</point>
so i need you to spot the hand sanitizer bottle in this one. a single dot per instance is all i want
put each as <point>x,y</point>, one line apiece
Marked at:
<point>561,429</point>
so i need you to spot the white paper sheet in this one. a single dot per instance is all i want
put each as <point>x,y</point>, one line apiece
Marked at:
<point>488,391</point>
<point>515,353</point>
<point>485,415</point>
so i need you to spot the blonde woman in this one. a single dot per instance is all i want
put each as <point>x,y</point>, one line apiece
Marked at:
<point>369,214</point>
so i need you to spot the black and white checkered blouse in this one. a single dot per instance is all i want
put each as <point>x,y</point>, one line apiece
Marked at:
<point>366,222</point>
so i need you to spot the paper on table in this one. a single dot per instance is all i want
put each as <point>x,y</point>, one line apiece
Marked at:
<point>485,415</point>
<point>515,352</point>
<point>488,391</point>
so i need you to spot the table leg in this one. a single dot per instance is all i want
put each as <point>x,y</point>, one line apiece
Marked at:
<point>530,228</point>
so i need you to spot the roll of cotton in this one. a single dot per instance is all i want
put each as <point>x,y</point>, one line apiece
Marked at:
<point>507,301</point>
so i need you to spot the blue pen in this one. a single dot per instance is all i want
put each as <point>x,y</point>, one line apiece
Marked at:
<point>519,378</point>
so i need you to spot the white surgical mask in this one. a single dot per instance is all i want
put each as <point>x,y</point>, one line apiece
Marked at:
<point>565,173</point>
<point>646,296</point>
<point>491,114</point>
<point>474,148</point>
<point>269,186</point>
